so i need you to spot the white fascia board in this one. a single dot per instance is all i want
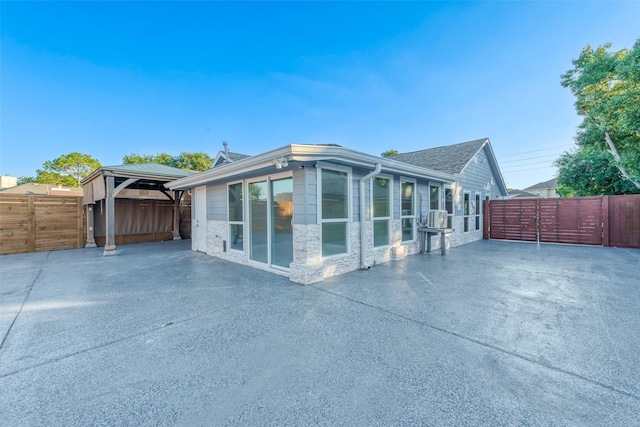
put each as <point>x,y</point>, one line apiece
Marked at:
<point>493,161</point>
<point>306,153</point>
<point>230,169</point>
<point>484,144</point>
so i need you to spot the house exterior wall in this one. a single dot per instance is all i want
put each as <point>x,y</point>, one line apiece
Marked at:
<point>308,264</point>
<point>477,177</point>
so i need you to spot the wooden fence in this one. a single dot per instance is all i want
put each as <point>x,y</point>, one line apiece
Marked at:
<point>602,221</point>
<point>33,223</point>
<point>37,223</point>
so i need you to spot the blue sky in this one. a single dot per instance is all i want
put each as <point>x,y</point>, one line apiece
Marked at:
<point>114,78</point>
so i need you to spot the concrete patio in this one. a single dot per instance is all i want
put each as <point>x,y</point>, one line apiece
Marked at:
<point>494,333</point>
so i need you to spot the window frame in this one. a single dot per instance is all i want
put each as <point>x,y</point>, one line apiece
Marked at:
<point>320,166</point>
<point>439,187</point>
<point>414,203</point>
<point>451,214</point>
<point>243,187</point>
<point>388,218</point>
<point>478,202</point>
<point>466,211</point>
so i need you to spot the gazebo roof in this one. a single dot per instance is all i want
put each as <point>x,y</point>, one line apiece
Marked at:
<point>143,176</point>
<point>141,170</point>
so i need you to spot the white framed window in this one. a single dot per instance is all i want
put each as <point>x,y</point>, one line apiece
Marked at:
<point>466,210</point>
<point>434,197</point>
<point>478,206</point>
<point>235,216</point>
<point>334,203</point>
<point>381,203</point>
<point>408,209</point>
<point>448,205</point>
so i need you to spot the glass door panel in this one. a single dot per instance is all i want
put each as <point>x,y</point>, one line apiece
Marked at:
<point>258,249</point>
<point>281,222</point>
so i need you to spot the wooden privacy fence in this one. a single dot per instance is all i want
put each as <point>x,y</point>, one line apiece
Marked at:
<point>602,221</point>
<point>33,223</point>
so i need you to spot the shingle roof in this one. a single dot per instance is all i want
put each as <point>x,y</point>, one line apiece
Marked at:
<point>237,156</point>
<point>552,183</point>
<point>515,194</point>
<point>449,158</point>
<point>150,168</point>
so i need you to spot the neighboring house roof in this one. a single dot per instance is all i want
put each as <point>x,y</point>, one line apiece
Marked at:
<point>448,158</point>
<point>550,184</point>
<point>221,158</point>
<point>141,170</point>
<point>307,153</point>
<point>453,159</point>
<point>520,194</point>
<point>43,189</point>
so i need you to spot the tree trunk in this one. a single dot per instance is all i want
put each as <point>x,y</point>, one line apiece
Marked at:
<point>614,153</point>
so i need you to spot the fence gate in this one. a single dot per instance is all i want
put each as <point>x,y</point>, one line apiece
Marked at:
<point>604,221</point>
<point>577,220</point>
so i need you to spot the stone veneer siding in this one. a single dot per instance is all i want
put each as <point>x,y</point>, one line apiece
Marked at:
<point>308,264</point>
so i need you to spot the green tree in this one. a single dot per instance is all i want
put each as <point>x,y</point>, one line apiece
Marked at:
<point>135,159</point>
<point>388,153</point>
<point>606,84</point>
<point>590,172</point>
<point>192,161</point>
<point>68,169</point>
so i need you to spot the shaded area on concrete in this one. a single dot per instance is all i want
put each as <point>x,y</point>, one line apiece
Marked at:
<point>493,333</point>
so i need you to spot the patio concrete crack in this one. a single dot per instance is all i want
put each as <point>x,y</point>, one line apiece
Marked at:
<point>24,300</point>
<point>487,345</point>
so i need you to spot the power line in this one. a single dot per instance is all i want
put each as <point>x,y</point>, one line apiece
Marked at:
<point>529,158</point>
<point>524,170</point>
<point>527,164</point>
<point>535,151</point>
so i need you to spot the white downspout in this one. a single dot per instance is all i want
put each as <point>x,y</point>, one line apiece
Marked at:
<point>363,215</point>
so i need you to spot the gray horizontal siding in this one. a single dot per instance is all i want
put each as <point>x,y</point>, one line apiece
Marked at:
<point>305,195</point>
<point>217,202</point>
<point>477,177</point>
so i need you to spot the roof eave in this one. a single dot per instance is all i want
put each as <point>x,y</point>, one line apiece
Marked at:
<point>127,174</point>
<point>496,168</point>
<point>306,153</point>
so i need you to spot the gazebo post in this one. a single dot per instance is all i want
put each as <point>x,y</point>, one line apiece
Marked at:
<point>176,215</point>
<point>110,244</point>
<point>91,241</point>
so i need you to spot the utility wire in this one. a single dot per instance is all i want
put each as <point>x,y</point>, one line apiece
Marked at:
<point>535,151</point>
<point>530,158</point>
<point>513,172</point>
<point>526,164</point>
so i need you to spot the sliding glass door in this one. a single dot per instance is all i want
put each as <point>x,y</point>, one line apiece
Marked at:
<point>271,221</point>
<point>258,221</point>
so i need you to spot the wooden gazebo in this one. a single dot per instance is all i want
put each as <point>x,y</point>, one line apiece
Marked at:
<point>131,200</point>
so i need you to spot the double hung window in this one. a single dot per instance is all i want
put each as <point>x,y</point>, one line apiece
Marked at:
<point>477,211</point>
<point>381,197</point>
<point>334,202</point>
<point>235,217</point>
<point>466,209</point>
<point>448,205</point>
<point>407,209</point>
<point>434,197</point>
